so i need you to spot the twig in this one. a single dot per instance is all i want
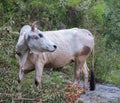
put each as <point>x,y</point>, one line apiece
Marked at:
<point>25,99</point>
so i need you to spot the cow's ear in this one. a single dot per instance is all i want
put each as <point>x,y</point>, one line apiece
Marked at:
<point>34,26</point>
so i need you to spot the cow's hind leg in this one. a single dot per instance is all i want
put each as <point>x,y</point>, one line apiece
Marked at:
<point>86,73</point>
<point>79,63</point>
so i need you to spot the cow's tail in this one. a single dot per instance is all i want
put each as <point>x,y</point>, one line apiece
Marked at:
<point>92,78</point>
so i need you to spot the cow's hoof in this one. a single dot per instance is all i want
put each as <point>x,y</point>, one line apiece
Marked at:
<point>19,81</point>
<point>36,83</point>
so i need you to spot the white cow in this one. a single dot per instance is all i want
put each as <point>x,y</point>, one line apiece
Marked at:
<point>53,49</point>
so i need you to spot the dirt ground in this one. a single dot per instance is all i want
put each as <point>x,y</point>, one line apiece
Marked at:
<point>103,94</point>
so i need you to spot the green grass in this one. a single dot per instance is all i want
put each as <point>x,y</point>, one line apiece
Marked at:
<point>113,77</point>
<point>74,2</point>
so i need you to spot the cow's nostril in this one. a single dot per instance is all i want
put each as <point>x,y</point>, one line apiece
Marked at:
<point>55,46</point>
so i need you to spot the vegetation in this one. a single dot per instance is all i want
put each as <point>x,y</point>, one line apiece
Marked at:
<point>101,17</point>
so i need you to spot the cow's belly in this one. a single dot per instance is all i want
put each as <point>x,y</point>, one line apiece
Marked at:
<point>56,61</point>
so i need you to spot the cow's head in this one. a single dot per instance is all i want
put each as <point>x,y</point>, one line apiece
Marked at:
<point>38,42</point>
<point>35,40</point>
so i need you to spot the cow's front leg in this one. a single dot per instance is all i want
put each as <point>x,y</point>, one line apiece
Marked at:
<point>20,79</point>
<point>21,76</point>
<point>38,75</point>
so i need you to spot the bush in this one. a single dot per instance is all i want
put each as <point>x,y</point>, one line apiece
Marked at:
<point>97,11</point>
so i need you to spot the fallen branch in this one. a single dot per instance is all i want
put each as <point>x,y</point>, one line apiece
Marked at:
<point>25,99</point>
<point>2,101</point>
<point>6,94</point>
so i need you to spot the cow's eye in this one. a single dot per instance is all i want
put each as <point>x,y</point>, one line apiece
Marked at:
<point>40,35</point>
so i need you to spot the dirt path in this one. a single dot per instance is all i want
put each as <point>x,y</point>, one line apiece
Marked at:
<point>102,94</point>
